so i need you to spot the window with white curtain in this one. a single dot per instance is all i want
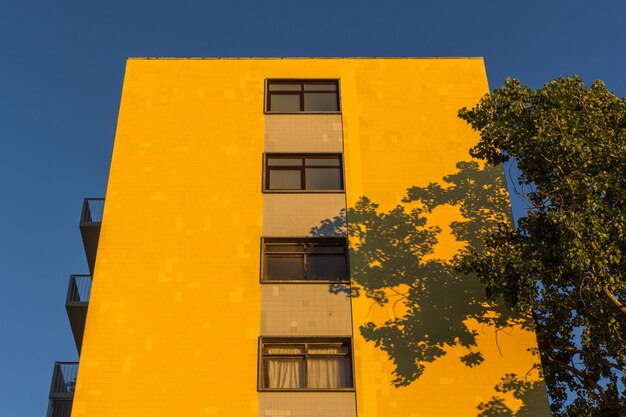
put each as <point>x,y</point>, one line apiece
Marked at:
<point>306,364</point>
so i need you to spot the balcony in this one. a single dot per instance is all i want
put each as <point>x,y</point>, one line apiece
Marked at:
<point>78,293</point>
<point>90,222</point>
<point>62,389</point>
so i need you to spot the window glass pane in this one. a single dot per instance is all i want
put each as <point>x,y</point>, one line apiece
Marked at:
<point>285,102</point>
<point>318,102</point>
<point>320,87</point>
<point>285,87</point>
<point>284,350</point>
<point>326,267</point>
<point>281,179</point>
<point>284,161</point>
<point>284,373</point>
<point>335,162</point>
<point>328,349</point>
<point>323,179</point>
<point>284,268</point>
<point>284,248</point>
<point>326,248</point>
<point>331,372</point>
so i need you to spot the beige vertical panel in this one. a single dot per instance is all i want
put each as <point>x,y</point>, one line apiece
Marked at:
<point>305,310</point>
<point>307,404</point>
<point>303,133</point>
<point>302,214</point>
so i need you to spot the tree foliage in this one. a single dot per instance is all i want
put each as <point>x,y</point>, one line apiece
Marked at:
<point>565,264</point>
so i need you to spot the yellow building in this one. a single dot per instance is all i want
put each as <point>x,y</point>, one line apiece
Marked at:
<point>259,253</point>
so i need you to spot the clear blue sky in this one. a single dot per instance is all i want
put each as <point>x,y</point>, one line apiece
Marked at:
<point>61,69</point>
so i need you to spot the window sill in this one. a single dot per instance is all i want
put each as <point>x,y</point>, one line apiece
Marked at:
<point>304,191</point>
<point>306,390</point>
<point>311,281</point>
<point>301,112</point>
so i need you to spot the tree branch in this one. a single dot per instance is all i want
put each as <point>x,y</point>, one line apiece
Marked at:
<point>621,307</point>
<point>596,356</point>
<point>593,386</point>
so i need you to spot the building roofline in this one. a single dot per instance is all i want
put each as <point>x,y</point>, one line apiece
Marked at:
<point>297,57</point>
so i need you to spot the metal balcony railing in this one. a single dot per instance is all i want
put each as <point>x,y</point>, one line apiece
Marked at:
<point>92,211</point>
<point>63,380</point>
<point>59,408</point>
<point>79,289</point>
<point>62,389</point>
<point>76,304</point>
<point>90,223</point>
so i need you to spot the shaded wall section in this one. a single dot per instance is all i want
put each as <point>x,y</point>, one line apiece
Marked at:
<point>426,341</point>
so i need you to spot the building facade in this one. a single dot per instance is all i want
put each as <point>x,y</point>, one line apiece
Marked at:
<point>259,254</point>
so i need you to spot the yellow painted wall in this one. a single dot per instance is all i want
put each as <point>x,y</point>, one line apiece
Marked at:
<point>173,322</point>
<point>401,130</point>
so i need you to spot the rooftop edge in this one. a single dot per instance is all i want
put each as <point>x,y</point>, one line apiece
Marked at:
<point>300,57</point>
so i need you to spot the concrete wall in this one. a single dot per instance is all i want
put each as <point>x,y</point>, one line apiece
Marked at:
<point>177,307</point>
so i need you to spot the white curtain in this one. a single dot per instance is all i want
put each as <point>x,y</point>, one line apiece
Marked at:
<point>283,373</point>
<point>329,372</point>
<point>325,372</point>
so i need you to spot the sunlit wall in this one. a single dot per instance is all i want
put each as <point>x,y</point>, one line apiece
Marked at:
<point>177,306</point>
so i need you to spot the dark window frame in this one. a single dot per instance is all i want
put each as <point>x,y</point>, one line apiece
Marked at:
<point>300,93</point>
<point>302,169</point>
<point>290,341</point>
<point>310,241</point>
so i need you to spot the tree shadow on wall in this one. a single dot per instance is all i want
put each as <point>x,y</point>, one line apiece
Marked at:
<point>530,392</point>
<point>394,262</point>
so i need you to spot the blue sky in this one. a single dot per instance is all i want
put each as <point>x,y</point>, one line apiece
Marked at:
<point>61,70</point>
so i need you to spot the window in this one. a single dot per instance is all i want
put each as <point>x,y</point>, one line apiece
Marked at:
<point>305,364</point>
<point>309,259</point>
<point>290,172</point>
<point>297,96</point>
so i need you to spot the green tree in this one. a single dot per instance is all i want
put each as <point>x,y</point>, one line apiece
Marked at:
<point>565,264</point>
